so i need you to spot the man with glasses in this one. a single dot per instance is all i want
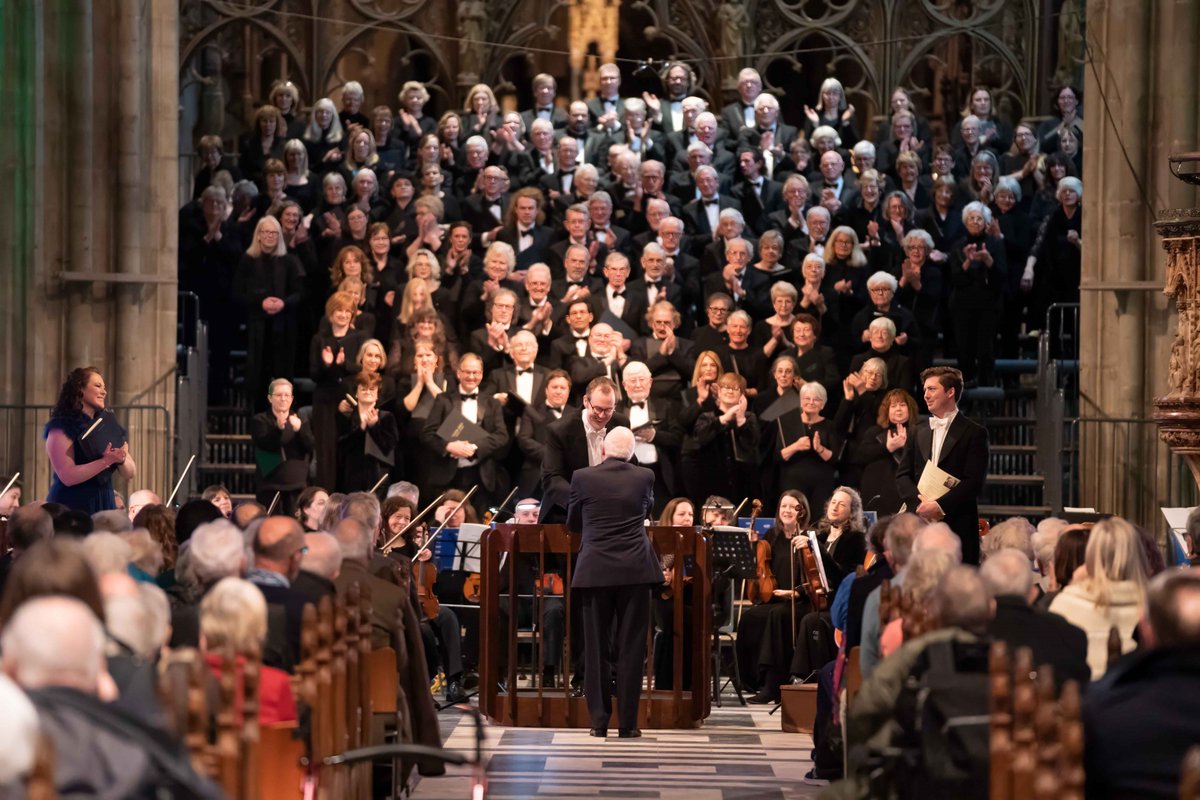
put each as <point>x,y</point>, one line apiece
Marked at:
<point>654,421</point>
<point>670,357</point>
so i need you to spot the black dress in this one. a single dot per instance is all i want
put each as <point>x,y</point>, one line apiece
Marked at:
<point>976,302</point>
<point>765,639</point>
<point>270,338</point>
<point>96,493</point>
<point>326,396</point>
<point>869,458</point>
<point>806,471</point>
<point>718,458</point>
<point>365,455</point>
<point>836,325</point>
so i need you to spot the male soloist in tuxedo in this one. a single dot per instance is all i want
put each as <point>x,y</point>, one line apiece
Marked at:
<point>609,504</point>
<point>459,463</point>
<point>954,444</point>
<point>574,442</point>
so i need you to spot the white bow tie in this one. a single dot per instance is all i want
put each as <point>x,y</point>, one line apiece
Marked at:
<point>939,424</point>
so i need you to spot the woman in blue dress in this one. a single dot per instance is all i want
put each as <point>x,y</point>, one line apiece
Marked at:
<point>80,439</point>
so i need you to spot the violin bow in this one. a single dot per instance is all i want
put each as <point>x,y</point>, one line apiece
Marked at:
<point>378,483</point>
<point>496,511</point>
<point>179,482</point>
<point>10,483</point>
<point>445,522</point>
<point>274,502</point>
<point>387,546</point>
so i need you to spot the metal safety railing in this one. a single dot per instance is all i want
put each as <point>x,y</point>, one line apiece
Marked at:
<point>151,443</point>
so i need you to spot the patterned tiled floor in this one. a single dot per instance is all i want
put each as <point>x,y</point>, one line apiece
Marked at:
<point>738,754</point>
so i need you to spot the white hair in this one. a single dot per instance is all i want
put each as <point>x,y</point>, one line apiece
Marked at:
<point>1007,572</point>
<point>54,641</point>
<point>882,278</point>
<point>18,731</point>
<point>979,207</point>
<point>619,443</point>
<point>107,553</point>
<point>216,550</point>
<point>864,148</point>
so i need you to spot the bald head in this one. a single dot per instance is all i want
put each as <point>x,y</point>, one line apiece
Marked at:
<point>140,498</point>
<point>355,539</point>
<point>619,443</point>
<point>54,641</point>
<point>324,556</point>
<point>279,545</point>
<point>1008,573</point>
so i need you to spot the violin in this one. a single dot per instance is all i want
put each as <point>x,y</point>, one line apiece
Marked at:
<point>473,584</point>
<point>811,571</point>
<point>668,590</point>
<point>425,574</point>
<point>762,588</point>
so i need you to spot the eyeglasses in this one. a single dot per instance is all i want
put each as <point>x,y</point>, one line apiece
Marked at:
<point>718,310</point>
<point>602,410</point>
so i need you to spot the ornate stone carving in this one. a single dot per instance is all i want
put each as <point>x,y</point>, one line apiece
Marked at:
<point>1178,412</point>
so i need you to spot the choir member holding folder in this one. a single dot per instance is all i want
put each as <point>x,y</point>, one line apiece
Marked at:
<point>86,445</point>
<point>949,444</point>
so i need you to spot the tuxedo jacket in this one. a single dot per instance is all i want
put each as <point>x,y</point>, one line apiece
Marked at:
<point>609,504</point>
<point>756,206</point>
<point>596,110</point>
<point>671,373</point>
<point>965,456</point>
<point>505,380</point>
<point>562,351</point>
<point>531,439</point>
<point>664,415</point>
<point>733,118</point>
<point>558,118</point>
<point>476,211</point>
<point>670,290</point>
<point>849,188</point>
<point>636,305</point>
<point>565,452</point>
<point>536,253</point>
<point>439,468</point>
<point>583,369</point>
<point>695,220</point>
<point>784,136</point>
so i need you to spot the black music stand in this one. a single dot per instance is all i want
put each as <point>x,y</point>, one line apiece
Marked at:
<point>732,558</point>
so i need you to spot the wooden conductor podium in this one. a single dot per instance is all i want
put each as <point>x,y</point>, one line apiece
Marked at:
<point>535,706</point>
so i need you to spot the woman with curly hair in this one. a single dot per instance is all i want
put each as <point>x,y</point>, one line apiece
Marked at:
<point>86,445</point>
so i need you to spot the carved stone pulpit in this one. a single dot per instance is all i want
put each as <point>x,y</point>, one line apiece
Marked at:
<point>1178,412</point>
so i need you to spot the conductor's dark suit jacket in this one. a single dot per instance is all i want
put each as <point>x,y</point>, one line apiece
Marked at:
<point>609,505</point>
<point>565,452</point>
<point>965,456</point>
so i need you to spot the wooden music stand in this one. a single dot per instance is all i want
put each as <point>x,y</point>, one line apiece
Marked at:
<point>538,707</point>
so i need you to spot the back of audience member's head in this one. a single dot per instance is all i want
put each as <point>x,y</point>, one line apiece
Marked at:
<point>925,569</point>
<point>1013,533</point>
<point>355,539</point>
<point>1155,563</point>
<point>54,641</point>
<point>1191,532</point>
<point>1172,616</point>
<point>901,533</point>
<point>246,512</point>
<point>160,522</point>
<point>146,553</point>
<point>19,732</point>
<point>233,615</point>
<point>333,511</point>
<point>107,553</point>
<point>29,525</point>
<point>51,567</point>
<point>73,523</point>
<point>1068,554</point>
<point>192,515</point>
<point>961,600</point>
<point>877,535</point>
<point>278,544</point>
<point>128,618</point>
<point>324,556</point>
<point>364,507</point>
<point>1044,540</point>
<point>939,536</point>
<point>215,551</point>
<point>1008,573</point>
<point>112,521</point>
<point>1114,554</point>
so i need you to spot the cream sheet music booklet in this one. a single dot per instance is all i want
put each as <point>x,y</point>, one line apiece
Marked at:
<point>935,482</point>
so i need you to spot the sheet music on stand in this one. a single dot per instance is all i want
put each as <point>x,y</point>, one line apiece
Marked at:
<point>469,550</point>
<point>731,548</point>
<point>816,550</point>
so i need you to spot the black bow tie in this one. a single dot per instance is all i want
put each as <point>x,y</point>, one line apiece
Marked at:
<point>526,231</point>
<point>546,109</point>
<point>555,409</point>
<point>581,335</point>
<point>574,283</point>
<point>641,404</point>
<point>619,294</point>
<point>525,371</point>
<point>652,283</point>
<point>470,396</point>
<point>713,202</point>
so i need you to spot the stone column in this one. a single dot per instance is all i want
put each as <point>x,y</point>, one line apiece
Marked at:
<point>1144,62</point>
<point>89,235</point>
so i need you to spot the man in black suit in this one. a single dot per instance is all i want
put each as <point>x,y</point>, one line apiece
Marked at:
<point>561,182</point>
<point>758,194</point>
<point>573,343</point>
<point>701,217</point>
<point>574,442</point>
<point>534,426</point>
<point>605,357</point>
<point>520,383</point>
<point>656,427</point>
<point>537,310</point>
<point>544,90</point>
<point>1140,719</point>
<point>617,297</point>
<point>459,463</point>
<point>485,209</point>
<point>709,133</point>
<point>836,186</point>
<point>670,358</point>
<point>577,223</point>
<point>609,504</point>
<point>955,445</point>
<point>600,210</point>
<point>740,113</point>
<point>524,231</point>
<point>768,135</point>
<point>1008,574</point>
<point>278,546</point>
<point>683,136</point>
<point>656,283</point>
<point>490,342</point>
<point>679,80</point>
<point>608,109</point>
